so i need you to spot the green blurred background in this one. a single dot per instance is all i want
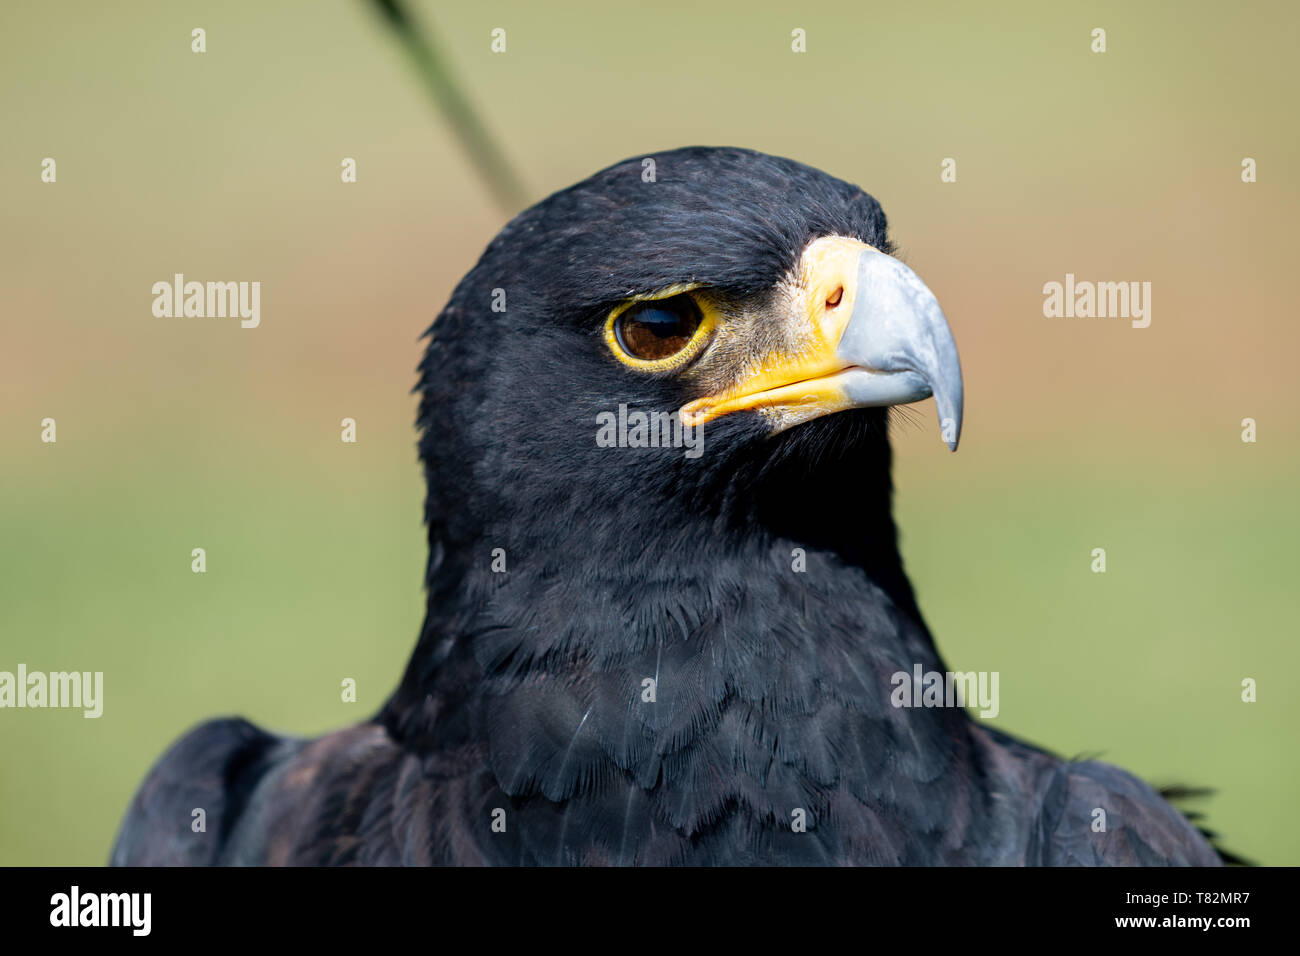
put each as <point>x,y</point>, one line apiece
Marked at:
<point>176,434</point>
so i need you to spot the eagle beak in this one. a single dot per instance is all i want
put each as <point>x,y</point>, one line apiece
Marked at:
<point>898,346</point>
<point>868,334</point>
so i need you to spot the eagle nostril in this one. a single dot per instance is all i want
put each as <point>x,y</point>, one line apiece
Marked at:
<point>834,298</point>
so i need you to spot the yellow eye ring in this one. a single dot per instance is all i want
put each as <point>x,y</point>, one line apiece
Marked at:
<point>618,339</point>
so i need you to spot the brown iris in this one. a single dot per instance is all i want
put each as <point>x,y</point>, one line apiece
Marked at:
<point>657,329</point>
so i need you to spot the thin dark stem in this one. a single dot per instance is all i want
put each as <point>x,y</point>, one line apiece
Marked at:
<point>486,155</point>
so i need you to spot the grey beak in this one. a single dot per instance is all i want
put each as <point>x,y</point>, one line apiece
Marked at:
<point>899,338</point>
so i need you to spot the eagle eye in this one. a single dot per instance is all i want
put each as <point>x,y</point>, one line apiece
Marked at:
<point>657,329</point>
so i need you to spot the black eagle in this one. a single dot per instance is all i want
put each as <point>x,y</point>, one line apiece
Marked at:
<point>684,648</point>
